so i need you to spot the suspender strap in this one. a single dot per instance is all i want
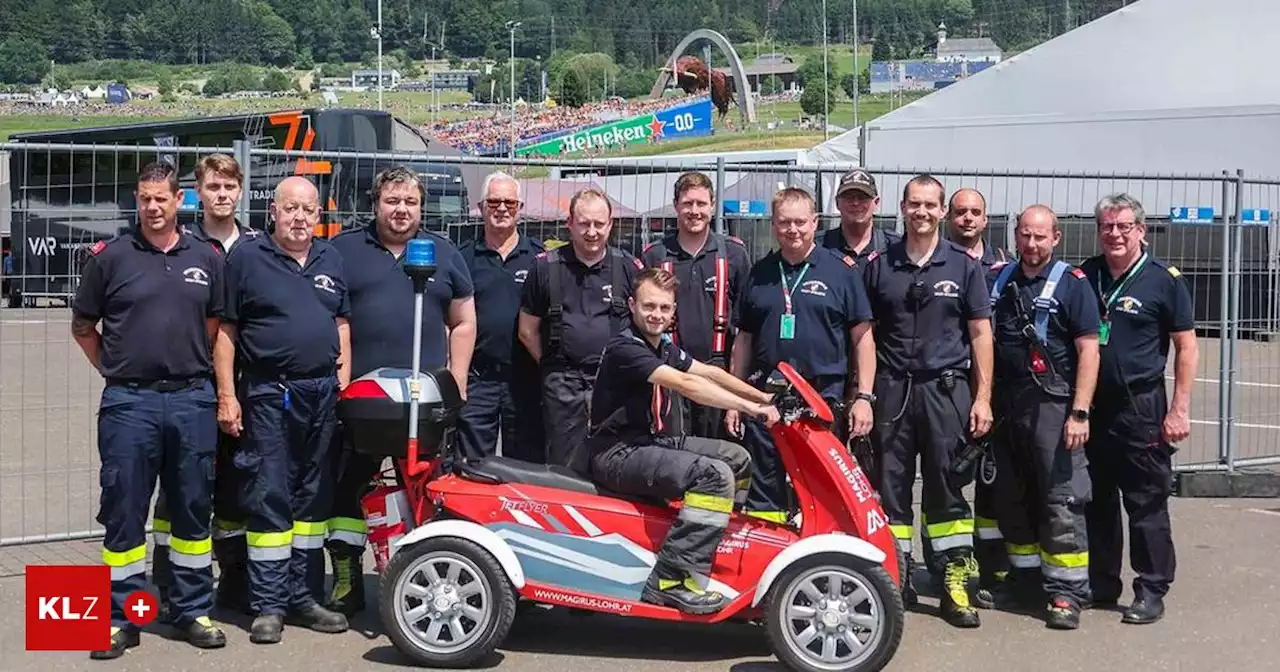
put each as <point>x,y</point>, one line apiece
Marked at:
<point>555,312</point>
<point>669,267</point>
<point>1045,302</point>
<point>618,277</point>
<point>720,323</point>
<point>1001,280</point>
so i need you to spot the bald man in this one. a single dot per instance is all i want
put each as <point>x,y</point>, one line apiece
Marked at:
<point>285,318</point>
<point>1046,326</point>
<point>967,223</point>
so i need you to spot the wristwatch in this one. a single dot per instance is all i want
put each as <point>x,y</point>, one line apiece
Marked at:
<point>869,398</point>
<point>1080,414</point>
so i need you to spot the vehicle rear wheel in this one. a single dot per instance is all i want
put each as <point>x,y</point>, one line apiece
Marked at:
<point>446,602</point>
<point>834,613</point>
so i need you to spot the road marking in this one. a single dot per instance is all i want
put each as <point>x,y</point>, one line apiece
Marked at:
<point>1264,512</point>
<point>4,322</point>
<point>1242,425</point>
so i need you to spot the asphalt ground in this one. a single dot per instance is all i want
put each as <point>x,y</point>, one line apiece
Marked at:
<point>1223,614</point>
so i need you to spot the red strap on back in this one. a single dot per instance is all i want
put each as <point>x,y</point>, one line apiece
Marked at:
<point>720,325</point>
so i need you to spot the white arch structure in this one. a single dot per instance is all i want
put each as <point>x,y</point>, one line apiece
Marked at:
<point>742,88</point>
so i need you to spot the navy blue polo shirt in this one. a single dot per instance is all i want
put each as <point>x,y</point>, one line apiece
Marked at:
<point>284,313</point>
<point>881,239</point>
<point>827,298</point>
<point>932,333</point>
<point>382,301</point>
<point>498,283</point>
<point>1154,303</point>
<point>1074,314</point>
<point>588,316</point>
<point>153,305</point>
<point>697,294</point>
<point>993,255</point>
<point>623,410</point>
<point>246,234</point>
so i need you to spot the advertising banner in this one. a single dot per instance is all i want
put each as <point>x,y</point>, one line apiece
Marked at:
<point>685,121</point>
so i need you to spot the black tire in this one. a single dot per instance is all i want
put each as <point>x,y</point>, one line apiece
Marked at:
<point>499,598</point>
<point>884,595</point>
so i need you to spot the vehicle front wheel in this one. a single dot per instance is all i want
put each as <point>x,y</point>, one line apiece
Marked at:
<point>834,613</point>
<point>446,602</point>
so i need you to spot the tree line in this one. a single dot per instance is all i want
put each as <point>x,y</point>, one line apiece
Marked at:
<point>304,33</point>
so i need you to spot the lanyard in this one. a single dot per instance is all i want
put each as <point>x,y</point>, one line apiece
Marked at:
<point>1121,285</point>
<point>786,291</point>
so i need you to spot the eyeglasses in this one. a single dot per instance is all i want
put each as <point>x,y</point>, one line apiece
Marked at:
<point>495,203</point>
<point>1122,227</point>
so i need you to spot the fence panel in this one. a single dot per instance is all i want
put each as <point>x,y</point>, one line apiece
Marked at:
<point>65,198</point>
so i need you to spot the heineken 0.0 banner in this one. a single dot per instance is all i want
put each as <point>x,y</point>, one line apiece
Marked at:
<point>684,121</point>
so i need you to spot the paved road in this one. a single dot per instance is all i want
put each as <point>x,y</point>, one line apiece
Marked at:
<point>1224,614</point>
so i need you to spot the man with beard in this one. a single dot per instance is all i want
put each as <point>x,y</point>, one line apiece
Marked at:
<point>967,216</point>
<point>1046,343</point>
<point>502,393</point>
<point>933,337</point>
<point>286,319</point>
<point>382,336</point>
<point>711,269</point>
<point>857,199</point>
<point>628,452</point>
<point>574,301</point>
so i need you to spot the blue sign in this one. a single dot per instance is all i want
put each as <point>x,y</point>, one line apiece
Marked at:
<point>1255,216</point>
<point>190,200</point>
<point>686,121</point>
<point>1191,215</point>
<point>746,208</point>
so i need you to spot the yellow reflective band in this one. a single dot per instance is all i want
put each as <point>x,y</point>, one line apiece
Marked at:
<point>229,525</point>
<point>122,558</point>
<point>698,500</point>
<point>954,527</point>
<point>191,547</point>
<point>779,517</point>
<point>1022,549</point>
<point>307,528</point>
<point>901,531</point>
<point>985,522</point>
<point>161,525</point>
<point>1067,560</point>
<point>743,484</point>
<point>269,539</point>
<point>356,525</point>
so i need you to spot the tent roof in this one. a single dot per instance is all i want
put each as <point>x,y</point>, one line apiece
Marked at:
<point>1149,55</point>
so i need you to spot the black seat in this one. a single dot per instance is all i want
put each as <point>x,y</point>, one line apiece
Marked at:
<point>497,469</point>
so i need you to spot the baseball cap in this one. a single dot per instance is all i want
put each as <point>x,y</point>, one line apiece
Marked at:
<point>857,180</point>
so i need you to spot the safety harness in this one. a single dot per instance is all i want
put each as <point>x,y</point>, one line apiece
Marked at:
<point>720,319</point>
<point>1036,329</point>
<point>555,313</point>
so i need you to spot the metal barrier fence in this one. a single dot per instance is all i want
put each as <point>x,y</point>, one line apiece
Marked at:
<point>64,198</point>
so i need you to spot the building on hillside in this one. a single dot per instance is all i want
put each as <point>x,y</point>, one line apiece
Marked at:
<point>769,67</point>
<point>369,78</point>
<point>965,49</point>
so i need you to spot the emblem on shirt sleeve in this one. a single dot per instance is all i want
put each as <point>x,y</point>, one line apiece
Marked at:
<point>98,247</point>
<point>1078,272</point>
<point>196,276</point>
<point>872,257</point>
<point>946,288</point>
<point>848,261</point>
<point>326,283</point>
<point>1173,270</point>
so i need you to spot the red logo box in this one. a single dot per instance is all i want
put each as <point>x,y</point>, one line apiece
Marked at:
<point>68,608</point>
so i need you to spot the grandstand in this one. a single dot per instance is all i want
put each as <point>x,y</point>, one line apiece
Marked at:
<point>921,75</point>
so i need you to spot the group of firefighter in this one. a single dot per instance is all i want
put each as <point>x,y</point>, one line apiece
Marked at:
<point>224,350</point>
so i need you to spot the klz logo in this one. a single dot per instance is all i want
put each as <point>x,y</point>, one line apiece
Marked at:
<point>68,608</point>
<point>43,247</point>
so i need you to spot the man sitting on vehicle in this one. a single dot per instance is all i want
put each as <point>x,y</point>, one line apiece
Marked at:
<point>627,451</point>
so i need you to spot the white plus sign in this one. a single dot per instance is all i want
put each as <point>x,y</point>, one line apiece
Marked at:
<point>141,608</point>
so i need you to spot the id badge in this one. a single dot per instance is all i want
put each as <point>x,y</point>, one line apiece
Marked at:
<point>1104,332</point>
<point>787,330</point>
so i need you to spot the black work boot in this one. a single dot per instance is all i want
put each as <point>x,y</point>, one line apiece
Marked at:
<point>266,629</point>
<point>120,640</point>
<point>347,595</point>
<point>319,619</point>
<point>203,634</point>
<point>989,584</point>
<point>955,606</point>
<point>910,598</point>
<point>686,595</point>
<point>1062,614</point>
<point>1145,610</point>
